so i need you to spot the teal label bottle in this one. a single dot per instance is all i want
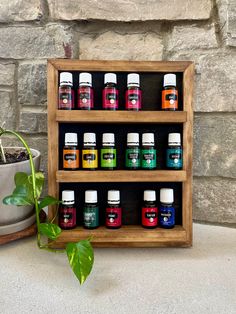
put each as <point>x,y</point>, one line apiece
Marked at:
<point>132,153</point>
<point>91,210</point>
<point>174,153</point>
<point>108,151</point>
<point>149,154</point>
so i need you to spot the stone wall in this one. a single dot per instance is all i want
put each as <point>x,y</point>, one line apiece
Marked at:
<point>203,31</point>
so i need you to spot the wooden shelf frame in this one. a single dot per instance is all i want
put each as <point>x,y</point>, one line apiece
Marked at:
<point>121,176</point>
<point>127,236</point>
<point>97,116</point>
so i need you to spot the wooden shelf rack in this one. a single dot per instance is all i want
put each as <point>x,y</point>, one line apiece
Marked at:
<point>129,235</point>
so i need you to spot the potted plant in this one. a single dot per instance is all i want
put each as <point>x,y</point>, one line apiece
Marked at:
<point>13,219</point>
<point>27,192</point>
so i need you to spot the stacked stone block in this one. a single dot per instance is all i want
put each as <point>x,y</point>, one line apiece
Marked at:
<point>203,31</point>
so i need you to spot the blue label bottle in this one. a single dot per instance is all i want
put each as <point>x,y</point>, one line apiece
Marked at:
<point>167,210</point>
<point>174,153</point>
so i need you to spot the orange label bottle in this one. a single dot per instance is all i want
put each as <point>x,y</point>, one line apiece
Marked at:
<point>169,93</point>
<point>70,152</point>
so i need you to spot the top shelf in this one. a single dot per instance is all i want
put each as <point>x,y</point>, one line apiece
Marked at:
<point>103,116</point>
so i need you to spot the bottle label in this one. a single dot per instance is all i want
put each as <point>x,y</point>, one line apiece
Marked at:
<point>110,98</point>
<point>133,99</point>
<point>67,217</point>
<point>167,216</point>
<point>113,217</point>
<point>149,216</point>
<point>108,157</point>
<point>66,98</point>
<point>132,158</point>
<point>149,158</point>
<point>85,97</point>
<point>174,158</point>
<point>70,159</point>
<point>91,217</point>
<point>89,158</point>
<point>170,99</point>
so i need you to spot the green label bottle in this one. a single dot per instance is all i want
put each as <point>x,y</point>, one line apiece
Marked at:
<point>91,210</point>
<point>108,152</point>
<point>132,154</point>
<point>148,155</point>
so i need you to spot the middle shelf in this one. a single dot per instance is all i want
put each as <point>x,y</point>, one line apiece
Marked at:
<point>121,176</point>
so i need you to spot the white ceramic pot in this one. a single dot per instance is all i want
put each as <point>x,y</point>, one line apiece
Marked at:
<point>15,218</point>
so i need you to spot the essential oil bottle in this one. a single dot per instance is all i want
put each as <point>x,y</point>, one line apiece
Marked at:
<point>110,92</point>
<point>148,155</point>
<point>113,210</point>
<point>89,152</point>
<point>174,152</point>
<point>133,95</point>
<point>132,153</point>
<point>91,210</point>
<point>149,210</point>
<point>169,93</point>
<point>66,92</point>
<point>108,152</point>
<point>71,152</point>
<point>85,91</point>
<point>167,210</point>
<point>67,210</point>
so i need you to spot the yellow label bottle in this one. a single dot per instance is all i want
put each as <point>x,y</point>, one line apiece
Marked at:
<point>89,152</point>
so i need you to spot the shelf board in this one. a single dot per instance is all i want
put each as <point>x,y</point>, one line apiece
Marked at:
<point>126,236</point>
<point>121,176</point>
<point>102,116</point>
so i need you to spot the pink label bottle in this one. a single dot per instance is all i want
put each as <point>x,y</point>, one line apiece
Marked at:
<point>113,210</point>
<point>133,96</point>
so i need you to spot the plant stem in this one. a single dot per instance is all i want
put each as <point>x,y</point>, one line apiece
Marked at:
<point>2,152</point>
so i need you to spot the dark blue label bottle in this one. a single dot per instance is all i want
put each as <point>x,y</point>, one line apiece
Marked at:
<point>174,158</point>
<point>167,216</point>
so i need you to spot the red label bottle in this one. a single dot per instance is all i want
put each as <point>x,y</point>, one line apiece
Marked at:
<point>85,92</point>
<point>67,210</point>
<point>110,93</point>
<point>149,210</point>
<point>66,92</point>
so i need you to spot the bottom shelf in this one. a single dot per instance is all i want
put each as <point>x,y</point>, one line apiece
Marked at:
<point>127,236</point>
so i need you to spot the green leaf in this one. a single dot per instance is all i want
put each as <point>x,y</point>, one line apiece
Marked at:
<point>48,200</point>
<point>39,181</point>
<point>16,200</point>
<point>23,187</point>
<point>81,258</point>
<point>21,178</point>
<point>52,231</point>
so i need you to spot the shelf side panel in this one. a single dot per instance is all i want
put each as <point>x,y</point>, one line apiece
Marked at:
<point>188,150</point>
<point>53,158</point>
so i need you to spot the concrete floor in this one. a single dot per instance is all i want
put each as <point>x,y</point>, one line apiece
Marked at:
<point>197,280</point>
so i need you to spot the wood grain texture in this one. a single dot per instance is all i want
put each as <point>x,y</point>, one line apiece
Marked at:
<point>119,66</point>
<point>126,236</point>
<point>121,176</point>
<point>188,151</point>
<point>98,116</point>
<point>53,158</point>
